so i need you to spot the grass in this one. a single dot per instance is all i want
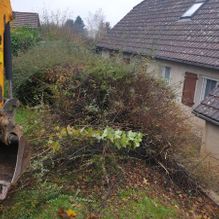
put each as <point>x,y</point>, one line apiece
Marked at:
<point>30,120</point>
<point>27,118</point>
<point>134,203</point>
<point>30,203</point>
<point>45,200</point>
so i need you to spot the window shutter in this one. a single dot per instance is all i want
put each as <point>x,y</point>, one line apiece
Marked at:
<point>189,89</point>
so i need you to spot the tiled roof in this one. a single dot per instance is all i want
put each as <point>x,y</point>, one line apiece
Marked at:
<point>26,19</point>
<point>209,108</point>
<point>154,28</point>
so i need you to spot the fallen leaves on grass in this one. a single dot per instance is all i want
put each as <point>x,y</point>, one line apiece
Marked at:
<point>68,214</point>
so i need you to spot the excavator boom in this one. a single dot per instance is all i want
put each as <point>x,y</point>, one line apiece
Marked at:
<point>6,17</point>
<point>14,152</point>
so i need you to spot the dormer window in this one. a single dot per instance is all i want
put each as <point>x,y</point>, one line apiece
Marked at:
<point>193,9</point>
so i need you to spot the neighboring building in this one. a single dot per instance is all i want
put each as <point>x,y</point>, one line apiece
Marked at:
<point>181,35</point>
<point>208,110</point>
<point>26,19</point>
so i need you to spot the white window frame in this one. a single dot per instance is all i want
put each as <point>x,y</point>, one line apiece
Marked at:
<point>193,9</point>
<point>163,72</point>
<point>204,84</point>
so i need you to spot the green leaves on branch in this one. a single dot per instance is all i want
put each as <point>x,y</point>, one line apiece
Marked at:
<point>120,139</point>
<point>117,138</point>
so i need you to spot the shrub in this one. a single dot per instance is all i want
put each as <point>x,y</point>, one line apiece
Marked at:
<point>84,89</point>
<point>109,95</point>
<point>87,90</point>
<point>32,69</point>
<point>29,68</point>
<point>23,39</point>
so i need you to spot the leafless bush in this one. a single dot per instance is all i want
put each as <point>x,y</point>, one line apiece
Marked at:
<point>53,28</point>
<point>97,26</point>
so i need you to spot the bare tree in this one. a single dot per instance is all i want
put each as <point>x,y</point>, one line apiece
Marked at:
<point>104,28</point>
<point>96,25</point>
<point>58,17</point>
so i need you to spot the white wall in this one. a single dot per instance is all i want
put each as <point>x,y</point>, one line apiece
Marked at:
<point>177,78</point>
<point>177,82</point>
<point>211,140</point>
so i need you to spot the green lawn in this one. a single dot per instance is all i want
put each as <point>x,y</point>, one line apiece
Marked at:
<point>134,203</point>
<point>44,202</point>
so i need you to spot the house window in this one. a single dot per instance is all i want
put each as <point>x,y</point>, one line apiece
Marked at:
<point>166,74</point>
<point>193,9</point>
<point>209,85</point>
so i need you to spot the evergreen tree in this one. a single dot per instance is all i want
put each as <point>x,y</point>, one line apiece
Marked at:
<point>79,25</point>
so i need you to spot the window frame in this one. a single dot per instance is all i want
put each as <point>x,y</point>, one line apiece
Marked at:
<point>204,86</point>
<point>163,73</point>
<point>185,16</point>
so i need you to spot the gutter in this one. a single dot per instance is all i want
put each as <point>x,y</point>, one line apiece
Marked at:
<point>206,118</point>
<point>188,63</point>
<point>212,67</point>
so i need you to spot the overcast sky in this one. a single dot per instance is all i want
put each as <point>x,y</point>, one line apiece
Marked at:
<point>114,10</point>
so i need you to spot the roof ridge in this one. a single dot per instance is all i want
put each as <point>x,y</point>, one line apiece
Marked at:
<point>25,12</point>
<point>139,4</point>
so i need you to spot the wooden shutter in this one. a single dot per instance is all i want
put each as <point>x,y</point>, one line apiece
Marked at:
<point>189,89</point>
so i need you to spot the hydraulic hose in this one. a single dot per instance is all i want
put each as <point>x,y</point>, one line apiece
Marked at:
<point>8,57</point>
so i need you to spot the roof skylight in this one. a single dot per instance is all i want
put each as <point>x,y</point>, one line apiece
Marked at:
<point>191,11</point>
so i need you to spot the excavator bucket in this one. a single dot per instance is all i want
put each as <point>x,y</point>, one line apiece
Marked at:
<point>14,159</point>
<point>14,152</point>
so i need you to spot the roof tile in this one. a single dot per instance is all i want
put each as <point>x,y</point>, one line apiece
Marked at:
<point>209,108</point>
<point>156,25</point>
<point>26,19</point>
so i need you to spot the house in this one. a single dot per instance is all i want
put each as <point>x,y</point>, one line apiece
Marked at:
<point>25,19</point>
<point>182,36</point>
<point>208,110</point>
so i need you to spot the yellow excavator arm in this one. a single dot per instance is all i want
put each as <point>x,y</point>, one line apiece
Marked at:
<point>6,17</point>
<point>14,153</point>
